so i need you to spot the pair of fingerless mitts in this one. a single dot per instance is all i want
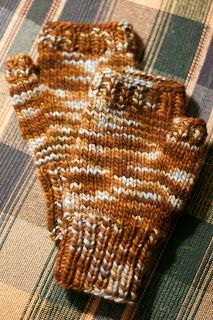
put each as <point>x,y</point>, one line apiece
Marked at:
<point>116,155</point>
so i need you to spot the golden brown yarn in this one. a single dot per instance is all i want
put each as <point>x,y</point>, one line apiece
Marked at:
<point>134,164</point>
<point>49,97</point>
<point>118,167</point>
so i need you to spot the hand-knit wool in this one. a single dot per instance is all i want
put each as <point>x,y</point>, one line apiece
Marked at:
<point>50,95</point>
<point>116,170</point>
<point>134,163</point>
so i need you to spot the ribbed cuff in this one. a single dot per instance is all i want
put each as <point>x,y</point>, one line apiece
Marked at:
<point>99,256</point>
<point>94,38</point>
<point>135,89</point>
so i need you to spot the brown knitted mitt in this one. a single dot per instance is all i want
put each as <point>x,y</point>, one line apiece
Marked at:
<point>49,97</point>
<point>134,164</point>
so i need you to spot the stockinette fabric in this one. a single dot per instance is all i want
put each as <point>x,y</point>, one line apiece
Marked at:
<point>135,161</point>
<point>50,95</point>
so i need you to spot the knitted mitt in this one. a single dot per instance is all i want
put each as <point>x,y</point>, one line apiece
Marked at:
<point>133,168</point>
<point>49,97</point>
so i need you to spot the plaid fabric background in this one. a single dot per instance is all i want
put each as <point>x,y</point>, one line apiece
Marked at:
<point>177,42</point>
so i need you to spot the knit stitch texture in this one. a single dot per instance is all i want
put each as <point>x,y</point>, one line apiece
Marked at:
<point>49,96</point>
<point>117,165</point>
<point>135,161</point>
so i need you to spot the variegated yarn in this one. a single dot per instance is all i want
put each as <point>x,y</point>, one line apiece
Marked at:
<point>134,164</point>
<point>49,97</point>
<point>117,167</point>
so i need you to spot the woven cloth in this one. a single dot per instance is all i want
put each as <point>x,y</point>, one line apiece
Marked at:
<point>177,39</point>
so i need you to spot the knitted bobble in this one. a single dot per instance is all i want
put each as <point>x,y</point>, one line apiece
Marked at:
<point>20,68</point>
<point>188,130</point>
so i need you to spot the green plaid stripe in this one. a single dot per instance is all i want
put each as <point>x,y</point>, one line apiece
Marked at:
<point>6,12</point>
<point>180,288</point>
